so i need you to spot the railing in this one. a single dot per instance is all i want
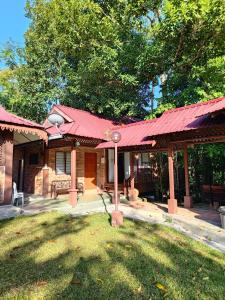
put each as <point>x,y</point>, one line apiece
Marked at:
<point>143,181</point>
<point>214,193</point>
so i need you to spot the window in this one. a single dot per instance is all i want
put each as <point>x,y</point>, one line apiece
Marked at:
<point>144,160</point>
<point>63,163</point>
<point>34,159</point>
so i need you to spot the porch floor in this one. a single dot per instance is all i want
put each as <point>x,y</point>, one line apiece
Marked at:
<point>199,212</point>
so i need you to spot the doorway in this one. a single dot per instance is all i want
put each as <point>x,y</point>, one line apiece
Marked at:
<point>120,167</point>
<point>90,170</point>
<point>123,166</point>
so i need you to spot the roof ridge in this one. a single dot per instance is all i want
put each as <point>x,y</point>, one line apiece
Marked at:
<point>70,107</point>
<point>84,111</point>
<point>136,123</point>
<point>194,105</point>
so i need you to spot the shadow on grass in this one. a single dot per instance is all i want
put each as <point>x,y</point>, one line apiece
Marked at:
<point>137,261</point>
<point>106,210</point>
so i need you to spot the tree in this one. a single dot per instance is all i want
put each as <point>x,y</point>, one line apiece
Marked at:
<point>84,54</point>
<point>187,50</point>
<point>109,56</point>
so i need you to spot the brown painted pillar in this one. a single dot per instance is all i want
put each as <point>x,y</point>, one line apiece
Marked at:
<point>187,197</point>
<point>73,190</point>
<point>8,158</point>
<point>131,194</point>
<point>45,174</point>
<point>172,202</point>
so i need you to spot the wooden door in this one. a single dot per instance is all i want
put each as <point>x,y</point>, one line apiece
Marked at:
<point>90,172</point>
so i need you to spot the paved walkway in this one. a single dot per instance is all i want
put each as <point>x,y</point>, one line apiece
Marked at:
<point>195,223</point>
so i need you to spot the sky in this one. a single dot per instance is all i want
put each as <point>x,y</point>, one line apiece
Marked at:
<point>13,22</point>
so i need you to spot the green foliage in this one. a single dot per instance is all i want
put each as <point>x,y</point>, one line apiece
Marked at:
<point>160,110</point>
<point>108,56</point>
<point>84,54</point>
<point>189,48</point>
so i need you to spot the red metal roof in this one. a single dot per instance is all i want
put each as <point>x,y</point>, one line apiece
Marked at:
<point>132,135</point>
<point>10,118</point>
<point>81,123</point>
<point>186,118</point>
<point>181,119</point>
<point>214,106</point>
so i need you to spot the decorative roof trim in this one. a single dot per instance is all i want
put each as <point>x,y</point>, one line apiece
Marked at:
<point>42,134</point>
<point>63,114</point>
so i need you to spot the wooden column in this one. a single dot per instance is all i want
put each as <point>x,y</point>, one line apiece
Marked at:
<point>8,159</point>
<point>172,202</point>
<point>187,197</point>
<point>131,193</point>
<point>73,190</point>
<point>45,174</point>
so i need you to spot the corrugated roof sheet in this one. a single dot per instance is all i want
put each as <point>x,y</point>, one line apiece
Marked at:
<point>132,135</point>
<point>181,119</point>
<point>186,118</point>
<point>190,117</point>
<point>214,106</point>
<point>10,118</point>
<point>83,123</point>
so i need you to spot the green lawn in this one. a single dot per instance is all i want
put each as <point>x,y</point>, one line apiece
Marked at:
<point>52,256</point>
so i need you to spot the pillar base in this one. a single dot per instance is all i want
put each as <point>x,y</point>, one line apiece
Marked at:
<point>172,206</point>
<point>73,197</point>
<point>188,202</point>
<point>133,194</point>
<point>117,218</point>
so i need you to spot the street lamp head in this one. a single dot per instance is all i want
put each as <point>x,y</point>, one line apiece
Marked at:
<point>116,137</point>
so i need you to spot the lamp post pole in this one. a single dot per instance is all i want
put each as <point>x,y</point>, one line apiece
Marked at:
<point>117,216</point>
<point>116,177</point>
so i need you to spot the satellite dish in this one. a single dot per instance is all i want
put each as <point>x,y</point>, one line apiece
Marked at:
<point>55,120</point>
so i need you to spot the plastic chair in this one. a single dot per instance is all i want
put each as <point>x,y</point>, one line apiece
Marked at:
<point>17,196</point>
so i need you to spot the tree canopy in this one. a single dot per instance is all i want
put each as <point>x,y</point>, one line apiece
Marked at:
<point>108,57</point>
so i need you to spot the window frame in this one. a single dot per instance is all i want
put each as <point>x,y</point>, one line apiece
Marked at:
<point>144,163</point>
<point>65,153</point>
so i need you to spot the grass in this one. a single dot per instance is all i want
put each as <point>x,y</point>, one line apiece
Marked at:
<point>53,256</point>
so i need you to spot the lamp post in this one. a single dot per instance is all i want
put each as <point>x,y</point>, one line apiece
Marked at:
<point>117,216</point>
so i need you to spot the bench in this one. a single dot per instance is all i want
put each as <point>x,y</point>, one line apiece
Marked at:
<point>214,193</point>
<point>59,187</point>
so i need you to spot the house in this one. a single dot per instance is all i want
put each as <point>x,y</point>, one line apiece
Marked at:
<point>81,132</point>
<point>80,154</point>
<point>14,131</point>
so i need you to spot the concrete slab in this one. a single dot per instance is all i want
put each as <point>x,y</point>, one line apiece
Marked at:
<point>9,211</point>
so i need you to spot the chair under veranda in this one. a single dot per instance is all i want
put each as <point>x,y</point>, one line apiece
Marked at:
<point>17,197</point>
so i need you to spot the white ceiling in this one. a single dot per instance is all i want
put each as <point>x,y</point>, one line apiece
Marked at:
<point>22,137</point>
